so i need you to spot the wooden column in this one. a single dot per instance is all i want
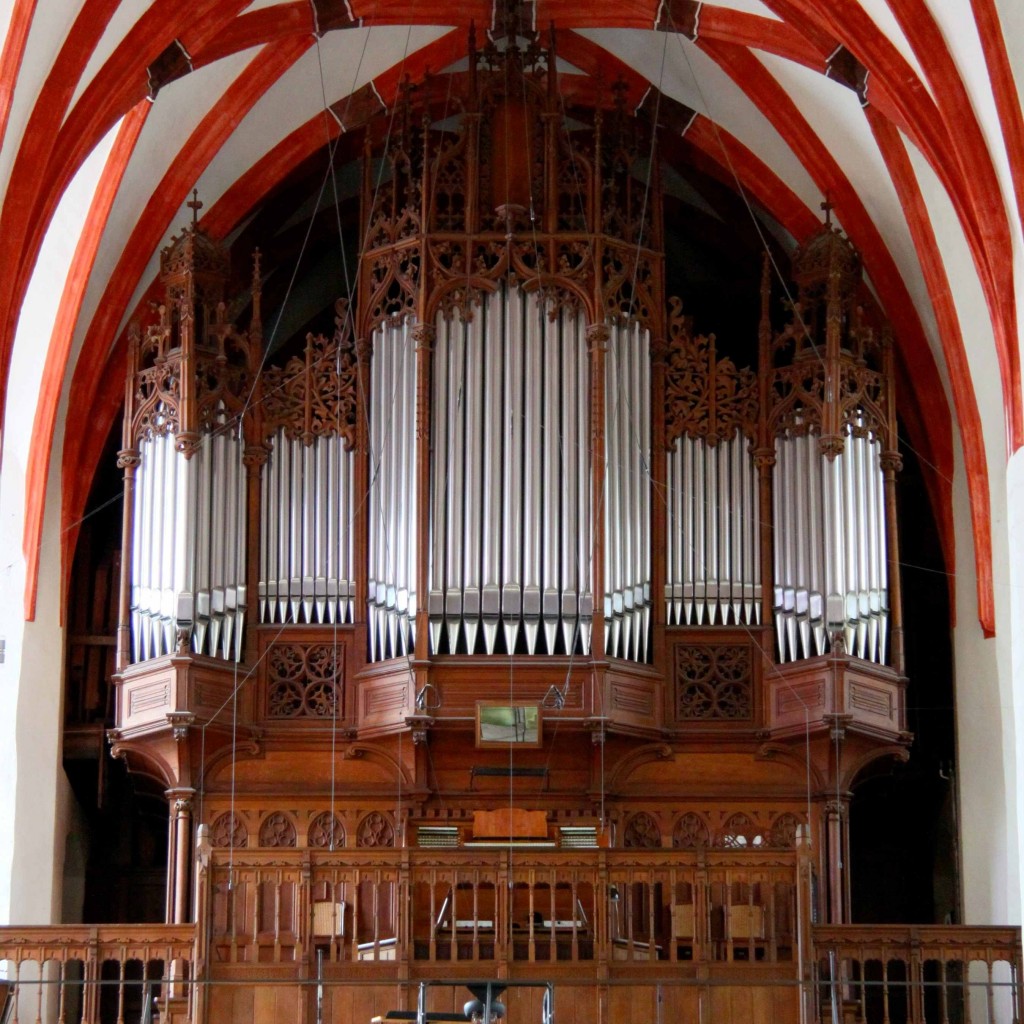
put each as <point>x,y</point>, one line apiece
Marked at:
<point>179,854</point>
<point>423,339</point>
<point>659,498</point>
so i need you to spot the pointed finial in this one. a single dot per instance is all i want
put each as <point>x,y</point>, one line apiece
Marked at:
<point>195,206</point>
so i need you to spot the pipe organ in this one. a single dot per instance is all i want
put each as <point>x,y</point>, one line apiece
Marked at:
<point>833,419</point>
<point>525,441</point>
<point>188,382</point>
<point>514,474</point>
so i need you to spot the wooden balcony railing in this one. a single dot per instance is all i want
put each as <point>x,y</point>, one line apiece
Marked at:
<point>422,905</point>
<point>79,973</point>
<point>919,974</point>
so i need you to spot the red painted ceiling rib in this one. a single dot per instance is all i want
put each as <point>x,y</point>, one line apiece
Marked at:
<point>11,57</point>
<point>59,349</point>
<point>81,449</point>
<point>118,86</point>
<point>947,132</point>
<point>898,162</point>
<point>34,149</point>
<point>1004,90</point>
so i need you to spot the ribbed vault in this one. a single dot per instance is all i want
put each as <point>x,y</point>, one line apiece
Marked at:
<point>904,115</point>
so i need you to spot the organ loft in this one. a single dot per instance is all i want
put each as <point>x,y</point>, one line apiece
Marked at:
<point>512,627</point>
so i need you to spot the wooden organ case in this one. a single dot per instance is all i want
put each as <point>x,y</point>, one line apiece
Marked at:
<point>514,476</point>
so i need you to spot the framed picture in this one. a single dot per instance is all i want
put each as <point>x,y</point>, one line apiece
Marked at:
<point>508,724</point>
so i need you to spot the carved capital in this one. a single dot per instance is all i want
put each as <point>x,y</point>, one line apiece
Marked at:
<point>182,806</point>
<point>597,337</point>
<point>179,721</point>
<point>128,458</point>
<point>830,445</point>
<point>254,456</point>
<point>890,461</point>
<point>187,442</point>
<point>420,727</point>
<point>423,336</point>
<point>764,458</point>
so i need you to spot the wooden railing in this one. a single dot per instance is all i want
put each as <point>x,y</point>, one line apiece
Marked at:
<point>598,906</point>
<point>105,973</point>
<point>919,974</point>
<point>683,929</point>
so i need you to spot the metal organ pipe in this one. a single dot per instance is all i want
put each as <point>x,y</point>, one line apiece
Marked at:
<point>627,492</point>
<point>306,571</point>
<point>510,479</point>
<point>713,570</point>
<point>830,546</point>
<point>391,591</point>
<point>189,532</point>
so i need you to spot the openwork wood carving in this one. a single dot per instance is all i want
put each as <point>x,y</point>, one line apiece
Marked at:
<point>713,682</point>
<point>691,832</point>
<point>305,680</point>
<point>315,395</point>
<point>705,397</point>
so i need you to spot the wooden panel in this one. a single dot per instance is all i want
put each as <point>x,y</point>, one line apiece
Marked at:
<point>510,823</point>
<point>383,700</point>
<point>634,699</point>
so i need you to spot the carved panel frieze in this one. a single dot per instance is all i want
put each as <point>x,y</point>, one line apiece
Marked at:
<point>305,680</point>
<point>691,832</point>
<point>713,682</point>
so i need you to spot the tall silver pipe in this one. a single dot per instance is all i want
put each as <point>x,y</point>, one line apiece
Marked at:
<point>532,472</point>
<point>473,494</point>
<point>552,465</point>
<point>511,591</point>
<point>570,496</point>
<point>456,503</point>
<point>585,477</point>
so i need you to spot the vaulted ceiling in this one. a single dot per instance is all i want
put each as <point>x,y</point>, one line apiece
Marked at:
<point>903,113</point>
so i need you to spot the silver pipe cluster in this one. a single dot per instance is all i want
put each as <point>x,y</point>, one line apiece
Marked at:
<point>391,590</point>
<point>510,479</point>
<point>306,555</point>
<point>713,564</point>
<point>627,598</point>
<point>830,550</point>
<point>188,548</point>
